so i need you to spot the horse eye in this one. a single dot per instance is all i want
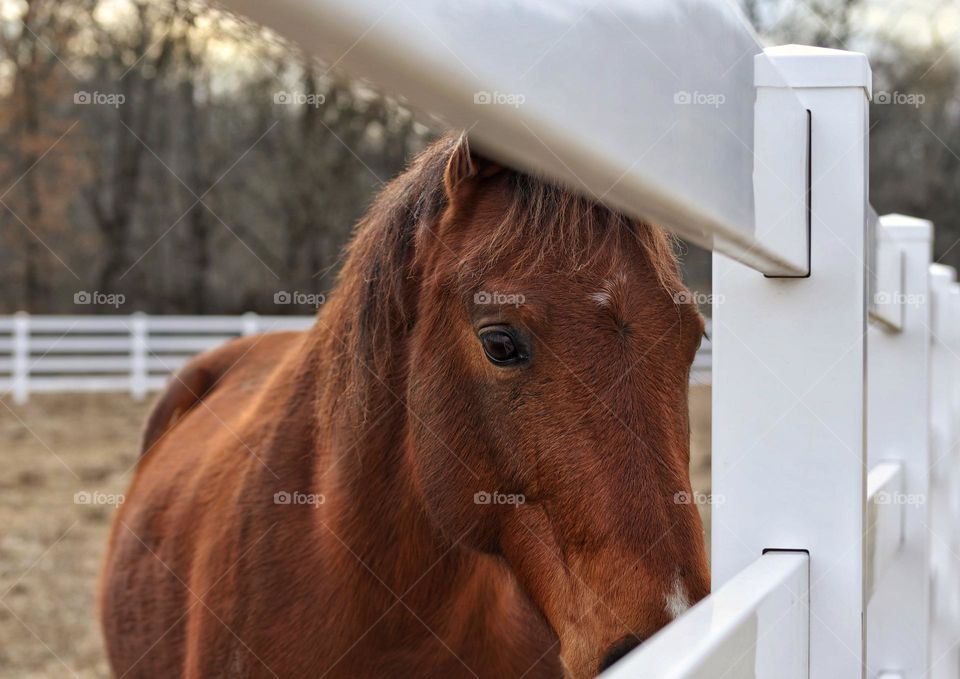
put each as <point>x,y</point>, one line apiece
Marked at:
<point>500,347</point>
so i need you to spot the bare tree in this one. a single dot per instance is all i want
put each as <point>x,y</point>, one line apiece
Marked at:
<point>122,144</point>
<point>33,209</point>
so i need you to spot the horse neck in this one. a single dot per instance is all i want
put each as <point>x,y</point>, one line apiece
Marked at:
<point>371,538</point>
<point>379,535</point>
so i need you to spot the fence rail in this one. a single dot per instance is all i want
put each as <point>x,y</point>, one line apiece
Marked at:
<point>768,600</point>
<point>608,99</point>
<point>135,353</point>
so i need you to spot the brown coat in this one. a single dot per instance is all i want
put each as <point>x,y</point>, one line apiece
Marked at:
<point>379,496</point>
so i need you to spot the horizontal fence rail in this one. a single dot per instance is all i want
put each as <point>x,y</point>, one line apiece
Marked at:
<point>608,99</point>
<point>884,519</point>
<point>135,353</point>
<point>767,602</point>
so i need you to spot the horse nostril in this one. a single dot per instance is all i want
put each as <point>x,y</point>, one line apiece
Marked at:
<point>618,650</point>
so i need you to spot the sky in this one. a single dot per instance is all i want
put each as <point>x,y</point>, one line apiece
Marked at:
<point>916,21</point>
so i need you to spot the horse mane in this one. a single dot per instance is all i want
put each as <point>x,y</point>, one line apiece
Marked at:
<point>372,307</point>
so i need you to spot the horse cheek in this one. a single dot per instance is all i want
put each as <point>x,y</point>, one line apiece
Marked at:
<point>454,481</point>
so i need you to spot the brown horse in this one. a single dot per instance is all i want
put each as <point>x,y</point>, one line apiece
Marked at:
<point>470,465</point>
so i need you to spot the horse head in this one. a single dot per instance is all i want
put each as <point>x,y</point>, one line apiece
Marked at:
<point>548,366</point>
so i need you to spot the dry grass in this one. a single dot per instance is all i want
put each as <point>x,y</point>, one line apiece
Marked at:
<point>51,546</point>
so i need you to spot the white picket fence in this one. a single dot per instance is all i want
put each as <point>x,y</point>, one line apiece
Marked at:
<point>135,353</point>
<point>835,547</point>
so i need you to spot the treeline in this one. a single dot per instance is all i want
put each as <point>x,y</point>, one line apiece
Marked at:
<point>163,154</point>
<point>915,113</point>
<point>176,160</point>
<point>914,116</point>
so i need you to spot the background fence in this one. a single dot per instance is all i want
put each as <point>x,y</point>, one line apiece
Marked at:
<point>134,353</point>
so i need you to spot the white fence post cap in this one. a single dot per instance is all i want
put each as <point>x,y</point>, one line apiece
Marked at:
<point>802,66</point>
<point>902,227</point>
<point>941,273</point>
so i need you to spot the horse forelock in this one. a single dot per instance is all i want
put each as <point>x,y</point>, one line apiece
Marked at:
<point>543,228</point>
<point>546,228</point>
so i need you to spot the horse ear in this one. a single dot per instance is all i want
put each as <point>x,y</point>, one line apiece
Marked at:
<point>463,165</point>
<point>460,166</point>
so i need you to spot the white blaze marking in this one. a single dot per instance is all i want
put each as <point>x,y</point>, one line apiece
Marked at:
<point>677,600</point>
<point>601,298</point>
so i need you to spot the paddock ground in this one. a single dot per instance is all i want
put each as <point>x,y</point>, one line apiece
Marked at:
<point>50,546</point>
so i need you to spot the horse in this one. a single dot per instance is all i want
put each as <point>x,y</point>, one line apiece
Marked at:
<point>474,463</point>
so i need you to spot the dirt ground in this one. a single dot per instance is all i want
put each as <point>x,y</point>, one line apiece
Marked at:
<point>52,448</point>
<point>63,458</point>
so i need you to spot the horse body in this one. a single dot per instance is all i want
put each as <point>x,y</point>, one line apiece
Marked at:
<point>199,587</point>
<point>306,504</point>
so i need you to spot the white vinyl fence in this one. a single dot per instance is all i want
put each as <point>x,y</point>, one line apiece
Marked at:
<point>135,353</point>
<point>836,392</point>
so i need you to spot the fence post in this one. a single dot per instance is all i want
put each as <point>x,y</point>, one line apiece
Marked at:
<point>945,525</point>
<point>138,355</point>
<point>789,391</point>
<point>898,403</point>
<point>21,357</point>
<point>944,660</point>
<point>251,323</point>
